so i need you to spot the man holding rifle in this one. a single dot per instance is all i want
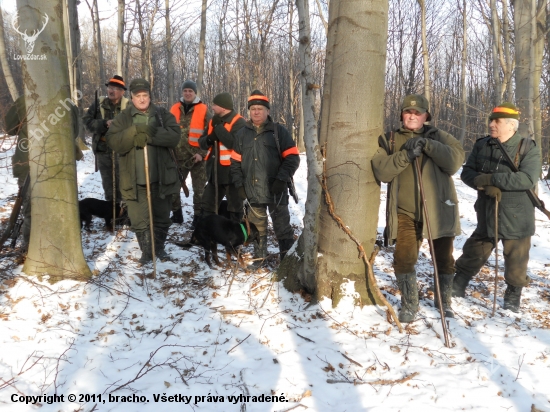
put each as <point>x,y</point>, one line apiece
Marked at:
<point>503,168</point>
<point>97,120</point>
<point>439,156</point>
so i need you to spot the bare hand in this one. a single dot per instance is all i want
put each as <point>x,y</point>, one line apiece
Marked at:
<point>197,158</point>
<point>109,123</point>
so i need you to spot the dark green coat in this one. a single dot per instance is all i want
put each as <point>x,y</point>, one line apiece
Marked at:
<point>120,138</point>
<point>442,157</point>
<point>516,218</point>
<point>227,138</point>
<point>96,119</point>
<point>261,163</point>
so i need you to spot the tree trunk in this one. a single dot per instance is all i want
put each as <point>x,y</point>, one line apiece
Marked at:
<point>523,76</point>
<point>495,29</point>
<point>463,74</point>
<point>120,37</point>
<point>170,63</point>
<point>55,244</point>
<point>102,77</point>
<point>4,61</point>
<point>356,76</point>
<point>538,51</point>
<point>425,57</point>
<point>290,122</point>
<point>300,268</point>
<point>507,57</point>
<point>202,48</point>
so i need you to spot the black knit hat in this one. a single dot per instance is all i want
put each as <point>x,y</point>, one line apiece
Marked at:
<point>505,110</point>
<point>257,97</point>
<point>116,81</point>
<point>189,84</point>
<point>224,100</point>
<point>140,84</point>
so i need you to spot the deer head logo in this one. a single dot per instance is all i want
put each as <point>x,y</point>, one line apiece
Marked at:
<point>29,39</point>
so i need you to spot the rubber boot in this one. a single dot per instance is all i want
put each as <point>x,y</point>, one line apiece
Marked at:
<point>161,234</point>
<point>177,216</point>
<point>260,252</point>
<point>446,287</point>
<point>409,296</point>
<point>512,297</point>
<point>144,240</point>
<point>284,246</point>
<point>460,282</point>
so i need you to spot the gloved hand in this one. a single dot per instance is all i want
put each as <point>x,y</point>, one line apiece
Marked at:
<point>147,129</point>
<point>413,153</point>
<point>211,138</point>
<point>242,193</point>
<point>493,191</point>
<point>278,187</point>
<point>216,120</point>
<point>483,180</point>
<point>140,141</point>
<point>418,141</point>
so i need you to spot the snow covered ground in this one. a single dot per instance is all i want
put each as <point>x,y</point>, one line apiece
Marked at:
<point>181,342</point>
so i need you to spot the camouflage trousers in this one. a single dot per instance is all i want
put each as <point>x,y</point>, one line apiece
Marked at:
<point>105,166</point>
<point>280,217</point>
<point>198,179</point>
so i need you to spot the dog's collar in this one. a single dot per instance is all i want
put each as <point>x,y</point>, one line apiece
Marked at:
<point>244,232</point>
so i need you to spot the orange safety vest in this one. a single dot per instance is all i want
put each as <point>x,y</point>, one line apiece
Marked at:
<point>196,128</point>
<point>225,153</point>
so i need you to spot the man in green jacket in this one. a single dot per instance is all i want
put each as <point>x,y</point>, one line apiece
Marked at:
<point>491,175</point>
<point>97,120</point>
<point>221,131</point>
<point>440,156</point>
<point>144,124</point>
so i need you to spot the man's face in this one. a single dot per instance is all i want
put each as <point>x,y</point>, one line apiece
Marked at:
<point>501,129</point>
<point>188,95</point>
<point>115,93</point>
<point>413,119</point>
<point>258,114</point>
<point>141,100</point>
<point>218,110</point>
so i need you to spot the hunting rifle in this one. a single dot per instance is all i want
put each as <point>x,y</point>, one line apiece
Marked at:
<point>15,222</point>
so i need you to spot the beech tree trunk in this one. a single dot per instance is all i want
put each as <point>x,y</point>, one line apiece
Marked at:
<point>120,38</point>
<point>425,56</point>
<point>356,70</point>
<point>202,48</point>
<point>55,247</point>
<point>170,63</point>
<point>523,20</point>
<point>464,115</point>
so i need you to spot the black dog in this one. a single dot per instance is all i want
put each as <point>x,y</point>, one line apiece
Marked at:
<point>101,208</point>
<point>214,229</point>
<point>222,210</point>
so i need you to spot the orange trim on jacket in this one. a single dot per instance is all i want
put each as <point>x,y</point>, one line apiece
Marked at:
<point>291,151</point>
<point>225,153</point>
<point>196,128</point>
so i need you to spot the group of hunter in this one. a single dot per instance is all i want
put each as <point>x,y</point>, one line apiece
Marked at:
<point>226,156</point>
<point>254,160</point>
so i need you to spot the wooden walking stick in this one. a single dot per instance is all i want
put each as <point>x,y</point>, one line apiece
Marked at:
<point>217,153</point>
<point>150,205</point>
<point>496,258</point>
<point>114,190</point>
<point>432,251</point>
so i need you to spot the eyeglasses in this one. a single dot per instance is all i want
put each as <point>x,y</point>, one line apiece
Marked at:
<point>113,88</point>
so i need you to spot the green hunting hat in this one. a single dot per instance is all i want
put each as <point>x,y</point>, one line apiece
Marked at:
<point>140,84</point>
<point>418,103</point>
<point>224,100</point>
<point>505,110</point>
